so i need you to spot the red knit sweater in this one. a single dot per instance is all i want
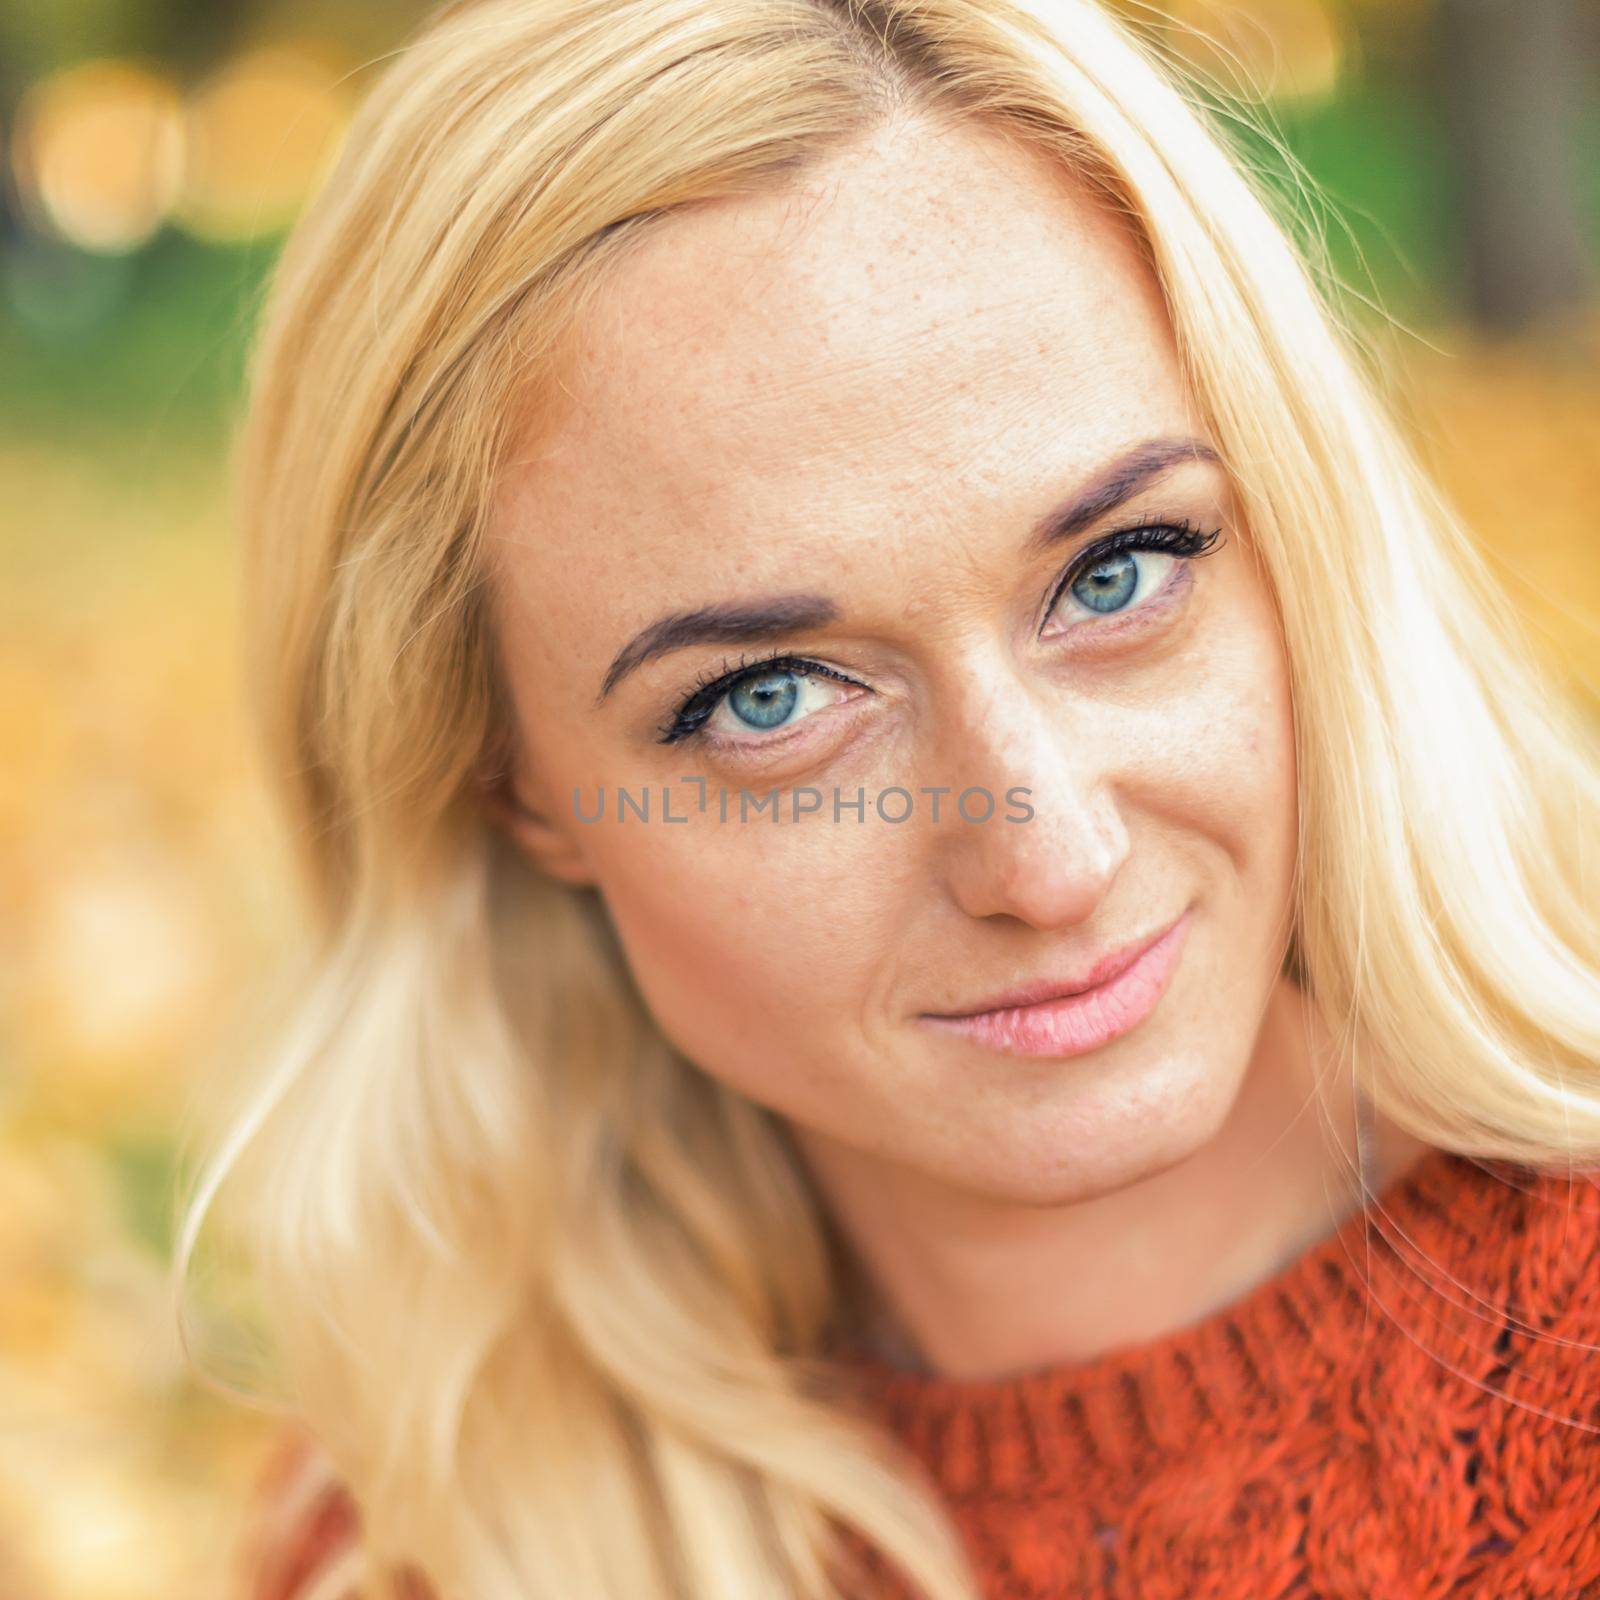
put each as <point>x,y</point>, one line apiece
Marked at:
<point>1407,1411</point>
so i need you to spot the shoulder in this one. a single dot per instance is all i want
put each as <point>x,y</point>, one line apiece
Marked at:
<point>1516,1278</point>
<point>301,1530</point>
<point>1554,1318</point>
<point>1546,1367</point>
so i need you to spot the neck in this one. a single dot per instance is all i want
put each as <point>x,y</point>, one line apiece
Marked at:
<point>927,1266</point>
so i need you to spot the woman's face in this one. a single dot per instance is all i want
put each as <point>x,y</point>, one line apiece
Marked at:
<point>863,407</point>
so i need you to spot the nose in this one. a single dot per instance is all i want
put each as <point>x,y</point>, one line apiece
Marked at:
<point>1052,869</point>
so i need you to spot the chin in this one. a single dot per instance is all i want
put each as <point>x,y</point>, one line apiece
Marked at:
<point>1094,1132</point>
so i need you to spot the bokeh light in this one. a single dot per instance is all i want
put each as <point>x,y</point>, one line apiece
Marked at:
<point>260,134</point>
<point>98,154</point>
<point>106,151</point>
<point>1279,50</point>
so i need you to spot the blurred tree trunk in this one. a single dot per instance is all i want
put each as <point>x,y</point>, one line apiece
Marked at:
<point>13,81</point>
<point>193,35</point>
<point>1513,80</point>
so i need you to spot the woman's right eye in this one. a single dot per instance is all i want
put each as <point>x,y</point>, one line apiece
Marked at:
<point>756,704</point>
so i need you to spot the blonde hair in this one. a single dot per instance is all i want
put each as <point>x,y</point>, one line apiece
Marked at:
<point>555,1302</point>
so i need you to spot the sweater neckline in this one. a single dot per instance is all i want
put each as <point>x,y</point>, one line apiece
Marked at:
<point>1249,1365</point>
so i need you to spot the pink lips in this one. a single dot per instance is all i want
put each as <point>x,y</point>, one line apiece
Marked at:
<point>1075,1023</point>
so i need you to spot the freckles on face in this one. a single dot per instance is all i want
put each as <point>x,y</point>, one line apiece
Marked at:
<point>871,389</point>
<point>752,934</point>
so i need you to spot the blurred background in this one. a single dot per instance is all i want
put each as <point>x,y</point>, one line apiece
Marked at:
<point>152,153</point>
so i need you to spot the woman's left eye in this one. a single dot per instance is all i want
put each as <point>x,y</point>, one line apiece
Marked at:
<point>1119,583</point>
<point>1114,582</point>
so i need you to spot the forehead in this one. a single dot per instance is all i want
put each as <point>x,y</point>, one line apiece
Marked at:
<point>931,315</point>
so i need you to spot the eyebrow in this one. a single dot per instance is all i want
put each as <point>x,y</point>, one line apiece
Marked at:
<point>750,623</point>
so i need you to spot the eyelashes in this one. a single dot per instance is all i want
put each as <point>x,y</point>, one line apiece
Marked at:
<point>1178,538</point>
<point>1181,539</point>
<point>701,701</point>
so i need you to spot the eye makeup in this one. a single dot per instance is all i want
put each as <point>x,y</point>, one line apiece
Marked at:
<point>1178,538</point>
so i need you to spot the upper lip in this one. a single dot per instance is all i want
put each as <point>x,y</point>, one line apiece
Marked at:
<point>1038,990</point>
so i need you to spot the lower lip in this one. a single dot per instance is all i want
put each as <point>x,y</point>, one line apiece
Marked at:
<point>1077,1023</point>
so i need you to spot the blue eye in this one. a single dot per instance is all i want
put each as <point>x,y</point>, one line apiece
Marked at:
<point>1131,563</point>
<point>758,699</point>
<point>1111,583</point>
<point>765,700</point>
<point>1108,585</point>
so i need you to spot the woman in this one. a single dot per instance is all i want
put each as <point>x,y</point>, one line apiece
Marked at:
<point>952,947</point>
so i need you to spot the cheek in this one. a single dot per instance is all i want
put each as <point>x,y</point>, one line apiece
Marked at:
<point>739,935</point>
<point>1210,756</point>
<point>1247,746</point>
<point>1246,757</point>
<point>1258,724</point>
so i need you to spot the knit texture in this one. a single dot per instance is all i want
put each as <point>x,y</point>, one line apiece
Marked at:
<point>1410,1409</point>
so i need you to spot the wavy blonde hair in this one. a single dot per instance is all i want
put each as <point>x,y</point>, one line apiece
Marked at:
<point>557,1304</point>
